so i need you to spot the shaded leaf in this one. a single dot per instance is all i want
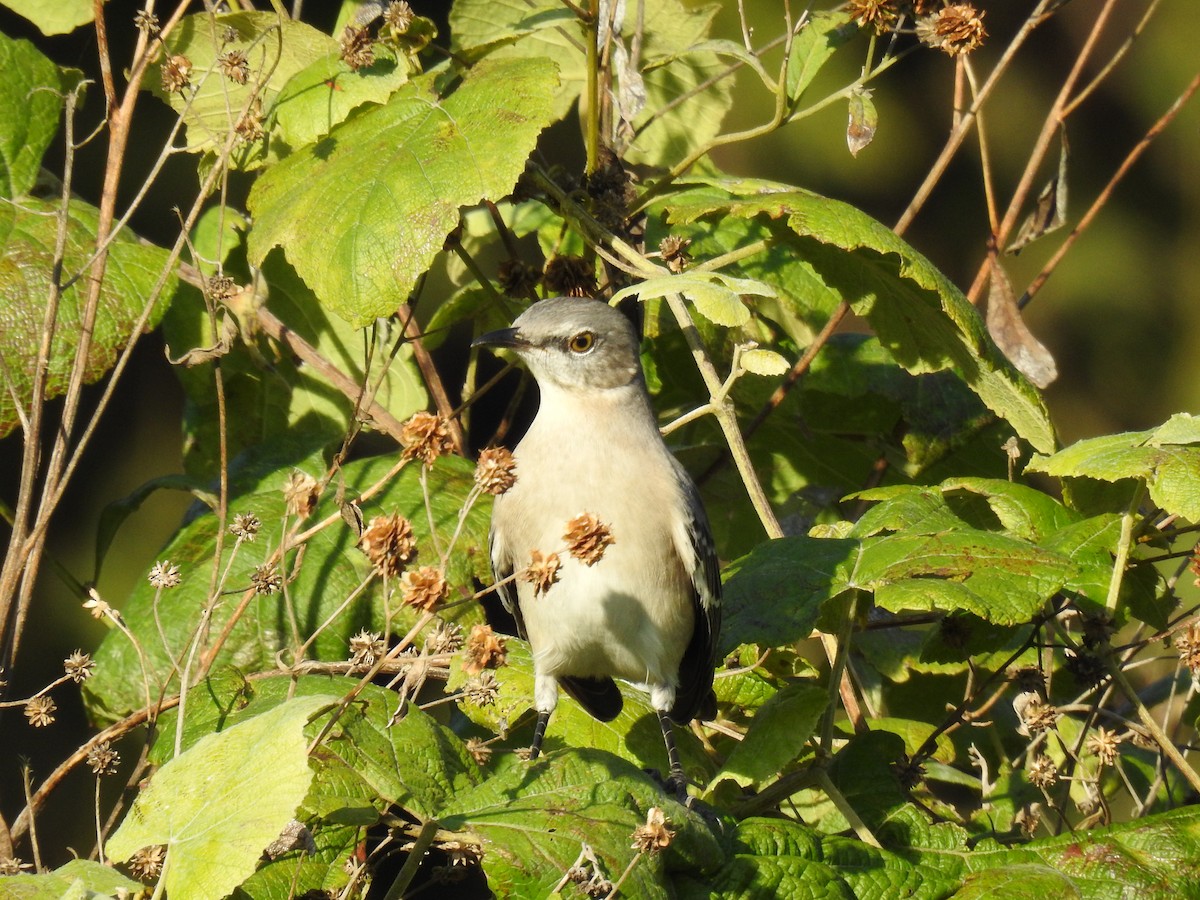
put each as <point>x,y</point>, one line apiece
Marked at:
<point>778,732</point>
<point>27,240</point>
<point>77,878</point>
<point>249,779</point>
<point>415,160</point>
<point>535,817</point>
<point>919,316</point>
<point>1008,329</point>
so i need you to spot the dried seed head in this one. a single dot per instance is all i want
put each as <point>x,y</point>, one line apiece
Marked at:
<point>1187,645</point>
<point>954,29</point>
<point>572,276</point>
<point>517,277</point>
<point>398,16</point>
<point>1035,714</point>
<point>485,650</point>
<point>221,289</point>
<point>147,863</point>
<point>496,470</point>
<point>12,865</point>
<point>542,571</point>
<point>79,666</point>
<point>877,14</point>
<point>146,22</point>
<point>1087,668</point>
<point>587,538</point>
<point>673,250</point>
<point>300,494</point>
<point>234,66</point>
<point>424,587</point>
<point>40,711</point>
<point>164,575</point>
<point>446,638</point>
<point>249,127</point>
<point>1091,799</point>
<point>1030,680</point>
<point>1028,818</point>
<point>481,689</point>
<point>908,772</point>
<point>357,46</point>
<point>1194,565</point>
<point>366,649</point>
<point>480,751</point>
<point>103,759</point>
<point>654,835</point>
<point>426,437</point>
<point>462,854</point>
<point>1042,772</point>
<point>176,73</point>
<point>245,526</point>
<point>266,580</point>
<point>955,631</point>
<point>1097,629</point>
<point>97,607</point>
<point>389,544</point>
<point>1105,745</point>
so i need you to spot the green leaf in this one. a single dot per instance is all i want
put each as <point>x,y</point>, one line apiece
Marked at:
<point>415,161</point>
<point>276,50</point>
<point>764,362</point>
<point>30,103</point>
<point>218,805</point>
<point>812,47</point>
<point>918,314</point>
<point>78,878</point>
<point>1167,459</point>
<point>535,817</point>
<point>325,92</point>
<point>27,241</point>
<point>321,578</point>
<point>59,17</point>
<point>773,595</point>
<point>778,732</point>
<point>864,121</point>
<point>998,578</point>
<point>717,297</point>
<point>669,31</point>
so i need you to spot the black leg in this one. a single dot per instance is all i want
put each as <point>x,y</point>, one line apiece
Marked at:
<point>539,731</point>
<point>677,778</point>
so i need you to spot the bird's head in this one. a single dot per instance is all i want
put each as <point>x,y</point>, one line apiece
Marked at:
<point>572,343</point>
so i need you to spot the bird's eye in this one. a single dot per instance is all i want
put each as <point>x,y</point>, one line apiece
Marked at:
<point>582,342</point>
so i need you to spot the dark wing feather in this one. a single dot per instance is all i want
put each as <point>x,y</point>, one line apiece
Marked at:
<point>695,698</point>
<point>599,696</point>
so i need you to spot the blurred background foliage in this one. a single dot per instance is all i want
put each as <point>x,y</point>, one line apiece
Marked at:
<point>1121,314</point>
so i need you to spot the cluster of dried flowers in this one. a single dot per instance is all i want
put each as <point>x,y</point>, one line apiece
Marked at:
<point>953,28</point>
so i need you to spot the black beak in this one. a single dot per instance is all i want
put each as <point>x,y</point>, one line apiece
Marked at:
<point>509,338</point>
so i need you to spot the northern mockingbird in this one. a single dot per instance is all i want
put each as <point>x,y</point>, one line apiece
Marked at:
<point>649,609</point>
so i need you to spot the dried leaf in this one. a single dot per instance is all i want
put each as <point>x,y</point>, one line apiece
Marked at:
<point>1051,210</point>
<point>860,130</point>
<point>1011,334</point>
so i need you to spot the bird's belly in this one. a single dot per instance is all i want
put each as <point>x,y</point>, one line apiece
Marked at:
<point>591,624</point>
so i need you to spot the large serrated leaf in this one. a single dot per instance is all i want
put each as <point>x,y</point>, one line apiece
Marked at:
<point>779,730</point>
<point>1167,459</point>
<point>671,72</point>
<point>59,17</point>
<point>386,186</point>
<point>27,240</point>
<point>918,314</point>
<point>218,805</point>
<point>30,102</point>
<point>330,568</point>
<point>534,819</point>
